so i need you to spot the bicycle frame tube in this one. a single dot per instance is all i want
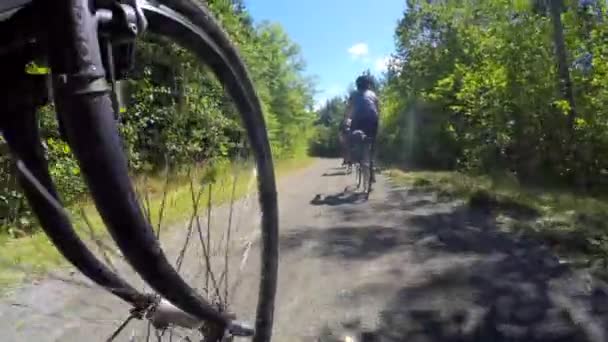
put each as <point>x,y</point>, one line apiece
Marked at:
<point>83,102</point>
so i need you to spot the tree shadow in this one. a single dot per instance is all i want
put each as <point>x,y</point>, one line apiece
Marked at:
<point>516,290</point>
<point>333,174</point>
<point>341,198</point>
<point>484,201</point>
<point>409,200</point>
<point>516,287</point>
<point>343,167</point>
<point>346,242</point>
<point>491,301</point>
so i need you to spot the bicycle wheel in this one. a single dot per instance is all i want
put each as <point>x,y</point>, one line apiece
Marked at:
<point>234,259</point>
<point>208,276</point>
<point>187,23</point>
<point>357,174</point>
<point>366,168</point>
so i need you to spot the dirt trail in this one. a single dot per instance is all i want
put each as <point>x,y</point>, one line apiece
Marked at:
<point>402,266</point>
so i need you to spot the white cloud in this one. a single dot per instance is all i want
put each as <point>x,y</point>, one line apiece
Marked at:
<point>358,50</point>
<point>381,64</point>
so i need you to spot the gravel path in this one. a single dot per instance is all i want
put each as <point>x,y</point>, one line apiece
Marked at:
<point>402,266</point>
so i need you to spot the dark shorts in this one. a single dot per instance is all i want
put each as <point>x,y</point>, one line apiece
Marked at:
<point>369,126</point>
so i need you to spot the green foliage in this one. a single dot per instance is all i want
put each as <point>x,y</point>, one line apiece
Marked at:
<point>326,142</point>
<point>478,85</point>
<point>178,113</point>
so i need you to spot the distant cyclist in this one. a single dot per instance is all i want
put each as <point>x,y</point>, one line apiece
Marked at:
<point>364,110</point>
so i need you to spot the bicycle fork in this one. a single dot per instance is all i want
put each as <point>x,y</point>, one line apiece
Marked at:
<point>82,97</point>
<point>84,107</point>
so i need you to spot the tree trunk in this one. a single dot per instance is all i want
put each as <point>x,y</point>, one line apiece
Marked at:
<point>564,81</point>
<point>578,174</point>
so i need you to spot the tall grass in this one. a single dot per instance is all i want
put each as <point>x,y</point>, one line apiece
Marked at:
<point>33,256</point>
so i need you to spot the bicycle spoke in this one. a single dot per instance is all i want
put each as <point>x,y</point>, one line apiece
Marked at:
<point>183,338</point>
<point>208,241</point>
<point>195,200</point>
<point>227,251</point>
<point>245,256</point>
<point>163,201</point>
<point>182,253</point>
<point>103,248</point>
<point>148,331</point>
<point>147,205</point>
<point>209,275</point>
<point>120,328</point>
<point>139,193</point>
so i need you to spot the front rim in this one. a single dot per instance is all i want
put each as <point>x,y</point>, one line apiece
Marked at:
<point>186,33</point>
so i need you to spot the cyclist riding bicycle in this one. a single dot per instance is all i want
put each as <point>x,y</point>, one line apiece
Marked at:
<point>364,110</point>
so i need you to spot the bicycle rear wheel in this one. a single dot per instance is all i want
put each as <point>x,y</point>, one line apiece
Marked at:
<point>367,167</point>
<point>358,175</point>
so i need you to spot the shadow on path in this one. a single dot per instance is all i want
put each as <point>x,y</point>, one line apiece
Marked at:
<point>333,174</point>
<point>346,242</point>
<point>341,198</point>
<point>515,290</point>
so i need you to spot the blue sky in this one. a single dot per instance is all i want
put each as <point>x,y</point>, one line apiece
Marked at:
<point>339,38</point>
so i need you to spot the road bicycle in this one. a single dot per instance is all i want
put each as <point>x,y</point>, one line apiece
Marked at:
<point>88,46</point>
<point>361,153</point>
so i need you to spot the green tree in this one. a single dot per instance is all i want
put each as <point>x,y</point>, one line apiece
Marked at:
<point>488,85</point>
<point>179,113</point>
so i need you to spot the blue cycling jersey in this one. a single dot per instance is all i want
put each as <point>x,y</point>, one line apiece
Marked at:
<point>364,105</point>
<point>364,112</point>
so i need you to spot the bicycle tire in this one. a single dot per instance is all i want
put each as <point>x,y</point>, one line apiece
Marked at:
<point>189,24</point>
<point>241,88</point>
<point>358,175</point>
<point>369,166</point>
<point>366,179</point>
